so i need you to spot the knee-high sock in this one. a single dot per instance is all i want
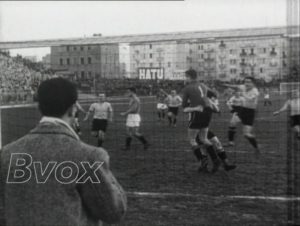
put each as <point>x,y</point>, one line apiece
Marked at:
<point>141,138</point>
<point>231,133</point>
<point>170,119</point>
<point>200,157</point>
<point>174,121</point>
<point>252,141</point>
<point>212,153</point>
<point>100,142</point>
<point>128,142</point>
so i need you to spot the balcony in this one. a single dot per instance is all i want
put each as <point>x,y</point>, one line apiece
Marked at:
<point>222,45</point>
<point>209,50</point>
<point>252,54</point>
<point>243,64</point>
<point>243,54</point>
<point>208,59</point>
<point>243,74</point>
<point>222,66</point>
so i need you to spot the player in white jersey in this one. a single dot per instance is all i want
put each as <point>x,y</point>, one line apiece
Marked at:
<point>133,120</point>
<point>247,112</point>
<point>102,113</point>
<point>293,105</point>
<point>267,100</point>
<point>173,101</point>
<point>235,104</point>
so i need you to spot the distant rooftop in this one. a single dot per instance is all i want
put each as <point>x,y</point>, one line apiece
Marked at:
<point>173,36</point>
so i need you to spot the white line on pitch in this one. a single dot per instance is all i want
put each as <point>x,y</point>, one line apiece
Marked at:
<point>186,195</point>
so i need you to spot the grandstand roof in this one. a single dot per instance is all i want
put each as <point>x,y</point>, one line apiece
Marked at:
<point>174,36</point>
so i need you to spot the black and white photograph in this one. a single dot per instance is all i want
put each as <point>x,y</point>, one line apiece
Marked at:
<point>150,113</point>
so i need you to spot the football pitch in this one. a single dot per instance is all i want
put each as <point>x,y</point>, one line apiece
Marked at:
<point>163,185</point>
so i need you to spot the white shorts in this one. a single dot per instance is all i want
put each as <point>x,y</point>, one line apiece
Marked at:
<point>161,106</point>
<point>133,120</point>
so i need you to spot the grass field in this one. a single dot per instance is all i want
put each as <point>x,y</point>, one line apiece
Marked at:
<point>163,185</point>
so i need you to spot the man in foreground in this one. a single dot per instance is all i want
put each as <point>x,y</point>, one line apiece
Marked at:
<point>52,178</point>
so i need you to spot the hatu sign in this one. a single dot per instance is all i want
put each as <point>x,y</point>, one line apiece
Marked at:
<point>151,73</point>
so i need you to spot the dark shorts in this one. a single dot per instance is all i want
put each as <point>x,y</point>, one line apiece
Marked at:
<point>77,114</point>
<point>210,135</point>
<point>200,120</point>
<point>173,110</point>
<point>236,109</point>
<point>247,116</point>
<point>99,124</point>
<point>295,120</point>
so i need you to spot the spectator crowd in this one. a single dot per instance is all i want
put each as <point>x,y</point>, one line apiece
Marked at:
<point>18,82</point>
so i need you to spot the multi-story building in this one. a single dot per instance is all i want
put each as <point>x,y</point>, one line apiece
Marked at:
<point>222,54</point>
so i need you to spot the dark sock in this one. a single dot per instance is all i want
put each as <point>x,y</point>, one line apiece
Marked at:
<point>231,133</point>
<point>170,120</point>
<point>128,142</point>
<point>212,153</point>
<point>204,161</point>
<point>159,115</point>
<point>163,114</point>
<point>141,138</point>
<point>197,153</point>
<point>174,121</point>
<point>222,155</point>
<point>100,142</point>
<point>252,141</point>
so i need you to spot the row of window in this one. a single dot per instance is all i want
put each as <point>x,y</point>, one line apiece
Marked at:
<point>75,48</point>
<point>67,61</point>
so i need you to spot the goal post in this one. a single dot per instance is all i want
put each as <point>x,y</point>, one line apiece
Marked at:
<point>289,87</point>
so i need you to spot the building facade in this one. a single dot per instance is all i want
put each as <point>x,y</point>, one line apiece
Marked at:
<point>225,55</point>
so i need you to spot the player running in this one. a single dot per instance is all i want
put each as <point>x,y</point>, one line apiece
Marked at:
<point>102,113</point>
<point>247,112</point>
<point>133,120</point>
<point>161,105</point>
<point>293,105</point>
<point>235,104</point>
<point>173,101</point>
<point>196,102</point>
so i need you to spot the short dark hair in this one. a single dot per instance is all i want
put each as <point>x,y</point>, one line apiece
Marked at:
<point>191,73</point>
<point>55,96</point>
<point>132,89</point>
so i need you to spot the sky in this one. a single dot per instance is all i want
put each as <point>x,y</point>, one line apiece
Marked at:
<point>58,19</point>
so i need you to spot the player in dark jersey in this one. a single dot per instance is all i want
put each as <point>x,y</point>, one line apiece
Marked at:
<point>196,101</point>
<point>133,120</point>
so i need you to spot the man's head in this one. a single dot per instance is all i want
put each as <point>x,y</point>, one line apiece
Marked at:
<point>173,93</point>
<point>102,97</point>
<point>131,91</point>
<point>249,82</point>
<point>191,75</point>
<point>56,98</point>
